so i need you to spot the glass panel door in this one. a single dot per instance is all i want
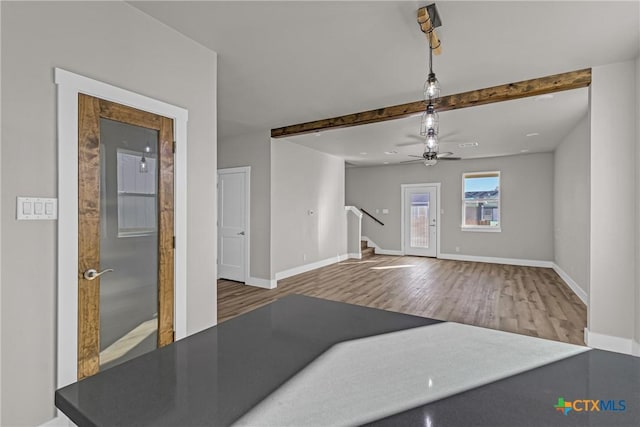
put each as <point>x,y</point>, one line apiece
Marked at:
<point>420,214</point>
<point>128,241</point>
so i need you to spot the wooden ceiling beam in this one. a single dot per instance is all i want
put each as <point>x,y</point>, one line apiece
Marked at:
<point>507,92</point>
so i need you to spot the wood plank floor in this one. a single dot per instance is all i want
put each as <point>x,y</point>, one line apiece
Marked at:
<point>526,300</point>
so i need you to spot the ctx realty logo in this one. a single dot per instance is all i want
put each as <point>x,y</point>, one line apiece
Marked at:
<point>590,405</point>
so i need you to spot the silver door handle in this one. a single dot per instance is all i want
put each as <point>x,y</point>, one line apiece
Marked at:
<point>241,233</point>
<point>92,274</point>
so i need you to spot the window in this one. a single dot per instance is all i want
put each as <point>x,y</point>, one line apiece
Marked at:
<point>136,194</point>
<point>481,201</point>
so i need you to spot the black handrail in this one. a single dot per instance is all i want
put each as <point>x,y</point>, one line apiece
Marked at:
<point>372,217</point>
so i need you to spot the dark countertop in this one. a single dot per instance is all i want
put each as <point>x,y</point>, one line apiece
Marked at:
<point>217,375</point>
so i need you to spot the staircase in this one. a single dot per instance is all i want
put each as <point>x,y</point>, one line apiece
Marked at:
<point>365,250</point>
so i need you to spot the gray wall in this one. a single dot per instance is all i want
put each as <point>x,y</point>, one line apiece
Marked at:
<point>254,150</point>
<point>571,205</point>
<point>637,197</point>
<point>612,279</point>
<point>118,44</point>
<point>303,179</point>
<point>526,204</point>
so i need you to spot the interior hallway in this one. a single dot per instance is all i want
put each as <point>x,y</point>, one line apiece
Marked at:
<point>527,300</point>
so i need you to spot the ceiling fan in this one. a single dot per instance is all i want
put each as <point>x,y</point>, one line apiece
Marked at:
<point>430,158</point>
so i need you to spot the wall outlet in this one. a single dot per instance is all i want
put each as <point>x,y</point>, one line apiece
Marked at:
<point>457,248</point>
<point>377,211</point>
<point>385,211</point>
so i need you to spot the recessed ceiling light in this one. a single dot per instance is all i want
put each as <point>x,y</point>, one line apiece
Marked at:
<point>544,97</point>
<point>391,152</point>
<point>526,150</point>
<point>386,163</point>
<point>532,134</point>
<point>364,153</point>
<point>468,144</point>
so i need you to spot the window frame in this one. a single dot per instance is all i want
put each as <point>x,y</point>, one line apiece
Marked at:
<point>481,228</point>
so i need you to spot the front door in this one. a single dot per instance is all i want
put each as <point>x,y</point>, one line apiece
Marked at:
<point>233,217</point>
<point>420,214</point>
<point>125,233</point>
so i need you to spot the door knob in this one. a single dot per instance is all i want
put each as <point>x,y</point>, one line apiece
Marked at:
<point>92,274</point>
<point>241,233</point>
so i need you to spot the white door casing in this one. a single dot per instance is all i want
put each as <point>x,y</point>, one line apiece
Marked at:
<point>69,85</point>
<point>420,219</point>
<point>233,223</point>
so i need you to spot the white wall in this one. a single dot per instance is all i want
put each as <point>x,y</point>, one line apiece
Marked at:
<point>613,192</point>
<point>303,179</point>
<point>526,204</point>
<point>117,44</point>
<point>571,205</point>
<point>254,149</point>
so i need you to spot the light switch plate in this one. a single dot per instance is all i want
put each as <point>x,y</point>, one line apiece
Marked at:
<point>36,208</point>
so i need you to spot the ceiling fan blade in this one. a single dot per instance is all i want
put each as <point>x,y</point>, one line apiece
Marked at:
<point>449,158</point>
<point>444,154</point>
<point>411,155</point>
<point>412,161</point>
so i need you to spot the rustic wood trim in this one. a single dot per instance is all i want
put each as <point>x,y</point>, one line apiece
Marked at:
<point>165,234</point>
<point>88,234</point>
<point>424,20</point>
<point>90,111</point>
<point>507,92</point>
<point>122,113</point>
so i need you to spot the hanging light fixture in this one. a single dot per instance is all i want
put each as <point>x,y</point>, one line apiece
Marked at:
<point>429,126</point>
<point>144,167</point>
<point>430,121</point>
<point>432,85</point>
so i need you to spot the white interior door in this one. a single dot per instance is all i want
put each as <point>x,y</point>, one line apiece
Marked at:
<point>420,215</point>
<point>233,223</point>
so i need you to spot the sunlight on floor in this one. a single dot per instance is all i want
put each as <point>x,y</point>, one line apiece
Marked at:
<point>129,341</point>
<point>358,262</point>
<point>389,267</point>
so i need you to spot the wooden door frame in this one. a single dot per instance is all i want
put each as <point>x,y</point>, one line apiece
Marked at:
<point>91,111</point>
<point>247,195</point>
<point>403,187</point>
<point>69,85</point>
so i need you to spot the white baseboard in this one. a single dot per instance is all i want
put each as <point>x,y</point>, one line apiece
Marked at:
<point>378,250</point>
<point>635,347</point>
<point>354,255</point>
<point>308,267</point>
<point>609,342</point>
<point>496,260</point>
<point>261,283</point>
<point>577,289</point>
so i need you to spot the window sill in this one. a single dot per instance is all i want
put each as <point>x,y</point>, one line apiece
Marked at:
<point>482,229</point>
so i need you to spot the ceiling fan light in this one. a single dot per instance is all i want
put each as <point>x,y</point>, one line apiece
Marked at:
<point>431,162</point>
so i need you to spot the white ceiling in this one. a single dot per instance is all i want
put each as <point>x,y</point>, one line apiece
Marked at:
<point>500,129</point>
<point>283,63</point>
